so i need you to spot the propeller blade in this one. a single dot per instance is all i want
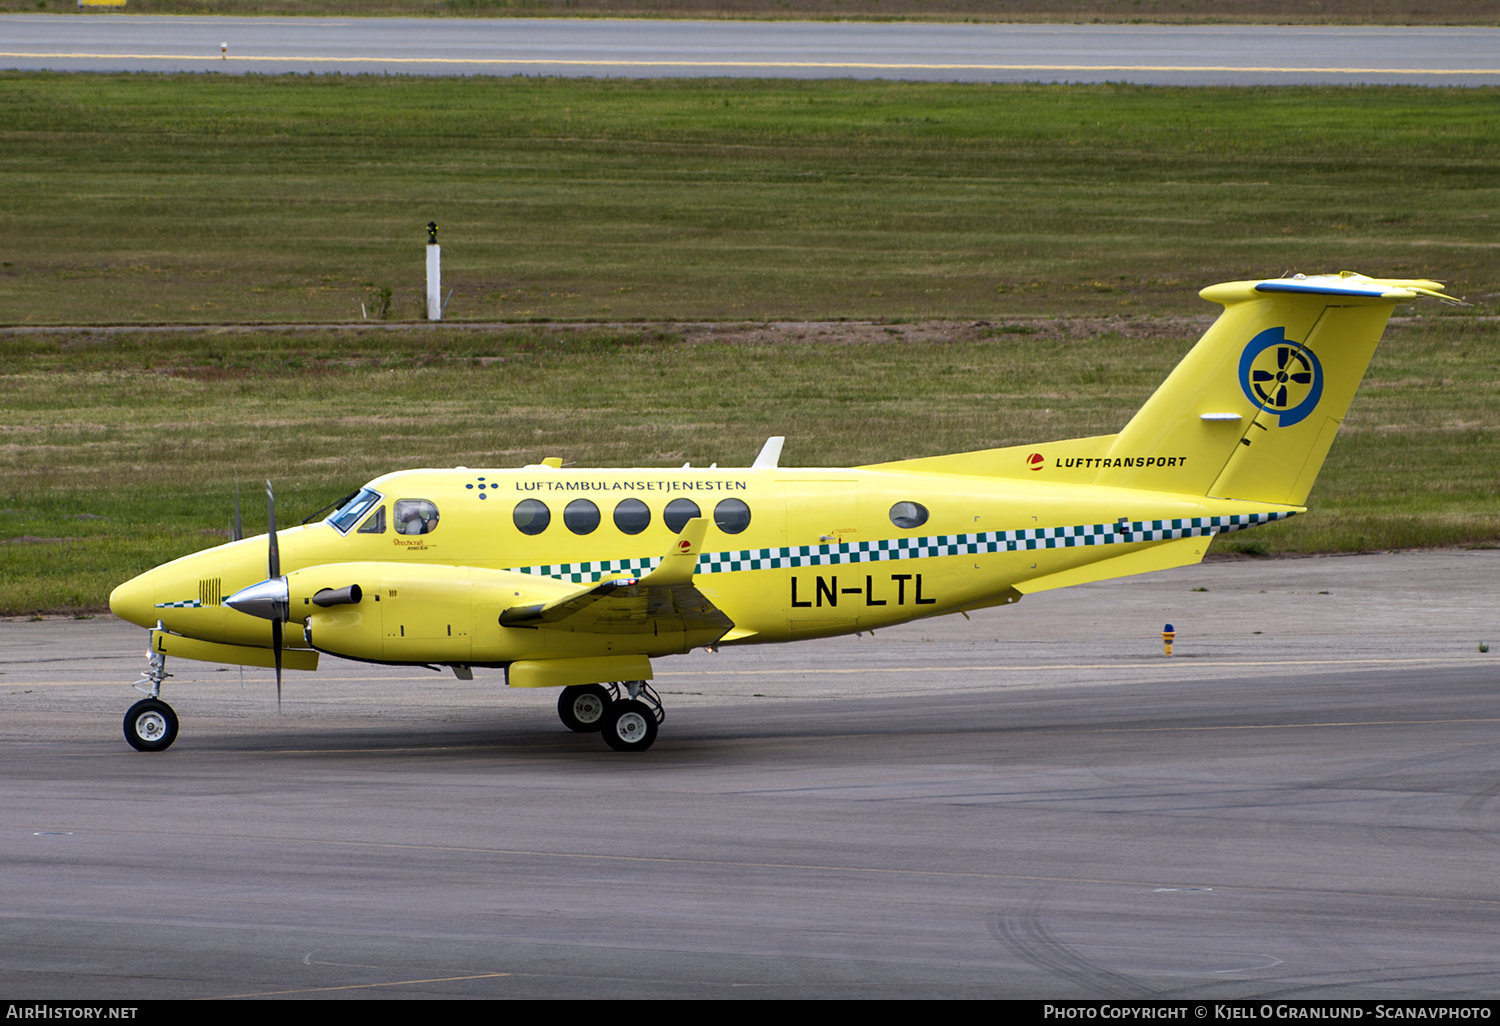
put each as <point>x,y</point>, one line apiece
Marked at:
<point>239,529</point>
<point>275,561</point>
<point>276,647</point>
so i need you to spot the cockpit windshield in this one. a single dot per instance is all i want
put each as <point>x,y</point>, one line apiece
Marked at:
<point>349,514</point>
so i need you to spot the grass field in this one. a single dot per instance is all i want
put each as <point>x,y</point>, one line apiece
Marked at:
<point>122,451</point>
<point>1360,12</point>
<point>206,198</point>
<point>144,199</point>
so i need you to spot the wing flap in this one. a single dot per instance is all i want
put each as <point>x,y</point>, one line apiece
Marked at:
<point>664,602</point>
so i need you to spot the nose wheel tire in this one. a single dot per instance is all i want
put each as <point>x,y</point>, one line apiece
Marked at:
<point>582,707</point>
<point>150,726</point>
<point>629,726</point>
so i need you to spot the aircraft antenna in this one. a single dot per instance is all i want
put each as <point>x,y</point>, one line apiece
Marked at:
<point>769,457</point>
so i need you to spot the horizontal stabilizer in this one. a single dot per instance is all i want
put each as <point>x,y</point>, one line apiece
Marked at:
<point>1164,556</point>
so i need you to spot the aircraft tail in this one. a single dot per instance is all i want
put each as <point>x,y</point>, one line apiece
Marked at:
<point>1251,411</point>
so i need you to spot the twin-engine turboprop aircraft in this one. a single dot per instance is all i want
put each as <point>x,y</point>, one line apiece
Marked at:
<point>578,579</point>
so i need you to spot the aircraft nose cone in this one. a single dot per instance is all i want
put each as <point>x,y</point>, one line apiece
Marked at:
<point>133,602</point>
<point>268,599</point>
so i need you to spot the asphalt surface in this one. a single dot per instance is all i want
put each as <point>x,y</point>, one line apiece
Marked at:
<point>1033,803</point>
<point>1148,54</point>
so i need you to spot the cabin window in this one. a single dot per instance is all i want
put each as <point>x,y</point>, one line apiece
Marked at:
<point>416,516</point>
<point>732,516</point>
<point>679,512</point>
<point>581,516</point>
<point>374,523</point>
<point>532,516</point>
<point>632,516</point>
<point>350,513</point>
<point>908,514</point>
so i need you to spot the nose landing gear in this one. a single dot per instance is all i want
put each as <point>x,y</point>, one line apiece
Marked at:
<point>151,724</point>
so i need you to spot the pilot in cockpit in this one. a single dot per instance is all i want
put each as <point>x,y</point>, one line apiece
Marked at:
<point>415,516</point>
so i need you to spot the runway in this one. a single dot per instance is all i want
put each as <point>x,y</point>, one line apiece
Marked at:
<point>1034,803</point>
<point>1146,54</point>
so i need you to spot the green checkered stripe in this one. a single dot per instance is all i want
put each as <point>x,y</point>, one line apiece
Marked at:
<point>932,546</point>
<point>185,604</point>
<point>580,573</point>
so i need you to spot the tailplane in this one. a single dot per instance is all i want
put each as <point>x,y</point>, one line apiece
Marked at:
<point>1252,409</point>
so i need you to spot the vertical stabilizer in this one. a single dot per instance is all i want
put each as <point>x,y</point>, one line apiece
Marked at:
<point>1252,409</point>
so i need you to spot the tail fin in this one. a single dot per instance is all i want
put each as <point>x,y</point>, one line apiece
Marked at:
<point>1252,409</point>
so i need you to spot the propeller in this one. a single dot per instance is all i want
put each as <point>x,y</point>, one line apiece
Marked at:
<point>275,572</point>
<point>270,599</point>
<point>237,533</point>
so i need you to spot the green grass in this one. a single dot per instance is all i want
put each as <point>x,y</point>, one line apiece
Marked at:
<point>128,446</point>
<point>208,198</point>
<point>138,199</point>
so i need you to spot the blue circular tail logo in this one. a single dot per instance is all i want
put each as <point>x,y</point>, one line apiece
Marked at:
<point>1281,376</point>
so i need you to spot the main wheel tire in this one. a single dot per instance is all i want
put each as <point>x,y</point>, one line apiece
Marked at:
<point>629,726</point>
<point>581,707</point>
<point>150,726</point>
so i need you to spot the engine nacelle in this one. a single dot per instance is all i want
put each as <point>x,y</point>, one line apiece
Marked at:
<point>401,613</point>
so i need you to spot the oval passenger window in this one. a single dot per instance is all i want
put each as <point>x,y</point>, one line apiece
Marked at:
<point>908,514</point>
<point>732,516</point>
<point>532,516</point>
<point>679,512</point>
<point>581,516</point>
<point>632,516</point>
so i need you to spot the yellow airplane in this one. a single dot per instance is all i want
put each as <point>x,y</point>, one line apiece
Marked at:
<point>578,578</point>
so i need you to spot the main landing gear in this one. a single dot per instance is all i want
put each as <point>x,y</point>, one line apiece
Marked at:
<point>627,713</point>
<point>150,724</point>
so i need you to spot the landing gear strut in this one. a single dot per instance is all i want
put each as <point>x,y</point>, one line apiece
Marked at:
<point>630,723</point>
<point>150,724</point>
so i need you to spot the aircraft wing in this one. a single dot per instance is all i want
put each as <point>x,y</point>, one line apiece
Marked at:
<point>662,602</point>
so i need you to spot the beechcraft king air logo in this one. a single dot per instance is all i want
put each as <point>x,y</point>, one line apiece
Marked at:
<point>1281,376</point>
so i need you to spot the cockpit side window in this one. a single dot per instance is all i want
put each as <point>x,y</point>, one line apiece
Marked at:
<point>350,513</point>
<point>416,516</point>
<point>374,523</point>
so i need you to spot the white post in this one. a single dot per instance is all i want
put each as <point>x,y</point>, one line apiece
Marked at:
<point>434,282</point>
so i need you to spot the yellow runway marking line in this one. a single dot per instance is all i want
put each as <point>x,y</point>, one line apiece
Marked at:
<point>1144,663</point>
<point>355,986</point>
<point>860,65</point>
<point>1287,726</point>
<point>10,685</point>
